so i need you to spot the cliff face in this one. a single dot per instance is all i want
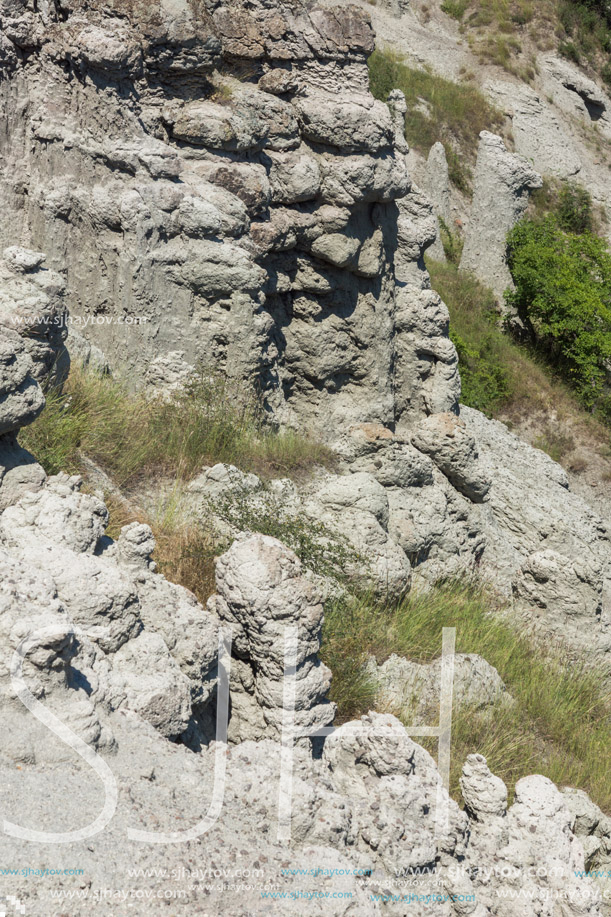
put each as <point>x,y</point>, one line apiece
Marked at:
<point>217,185</point>
<point>220,179</point>
<point>102,661</point>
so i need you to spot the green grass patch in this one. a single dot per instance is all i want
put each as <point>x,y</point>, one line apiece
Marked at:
<point>497,374</point>
<point>132,437</point>
<point>560,724</point>
<point>455,8</point>
<point>437,110</point>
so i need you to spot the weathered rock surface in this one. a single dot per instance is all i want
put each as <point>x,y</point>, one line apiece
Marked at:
<point>437,186</point>
<point>248,223</point>
<point>502,184</point>
<point>271,609</point>
<point>559,571</point>
<point>103,661</point>
<point>412,688</point>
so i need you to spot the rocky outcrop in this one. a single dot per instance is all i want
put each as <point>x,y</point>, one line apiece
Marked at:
<point>223,190</point>
<point>437,186</point>
<point>266,601</point>
<point>103,661</point>
<point>412,689</point>
<point>502,184</point>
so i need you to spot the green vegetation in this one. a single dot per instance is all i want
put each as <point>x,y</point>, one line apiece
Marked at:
<point>560,724</point>
<point>452,242</point>
<point>455,8</point>
<point>587,27</point>
<point>322,551</point>
<point>132,437</point>
<point>498,376</point>
<point>562,273</point>
<point>437,110</point>
<point>499,30</point>
<point>563,298</point>
<point>569,204</point>
<point>135,440</point>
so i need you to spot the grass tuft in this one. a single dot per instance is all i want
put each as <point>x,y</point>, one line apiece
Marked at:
<point>131,437</point>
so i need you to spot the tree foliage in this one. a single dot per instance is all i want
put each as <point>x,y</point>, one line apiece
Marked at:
<point>563,297</point>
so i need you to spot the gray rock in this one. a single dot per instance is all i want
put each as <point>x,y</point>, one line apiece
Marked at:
<point>502,184</point>
<point>437,186</point>
<point>412,688</point>
<point>485,795</point>
<point>261,593</point>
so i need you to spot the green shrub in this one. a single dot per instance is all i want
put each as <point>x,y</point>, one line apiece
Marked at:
<point>569,204</point>
<point>437,110</point>
<point>563,298</point>
<point>485,383</point>
<point>493,370</point>
<point>588,25</point>
<point>570,51</point>
<point>575,209</point>
<point>455,8</point>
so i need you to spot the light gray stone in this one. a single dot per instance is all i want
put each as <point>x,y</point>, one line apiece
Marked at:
<point>502,184</point>
<point>414,689</point>
<point>437,186</point>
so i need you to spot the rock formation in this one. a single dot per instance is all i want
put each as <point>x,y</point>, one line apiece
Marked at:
<point>267,225</point>
<point>502,184</point>
<point>224,190</point>
<point>412,688</point>
<point>437,186</point>
<point>216,184</point>
<point>101,652</point>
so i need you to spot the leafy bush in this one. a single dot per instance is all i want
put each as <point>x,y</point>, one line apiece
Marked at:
<point>587,23</point>
<point>485,385</point>
<point>575,209</point>
<point>563,297</point>
<point>455,8</point>
<point>570,51</point>
<point>437,110</point>
<point>570,205</point>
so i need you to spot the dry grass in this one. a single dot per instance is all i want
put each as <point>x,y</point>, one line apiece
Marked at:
<point>560,723</point>
<point>184,552</point>
<point>134,438</point>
